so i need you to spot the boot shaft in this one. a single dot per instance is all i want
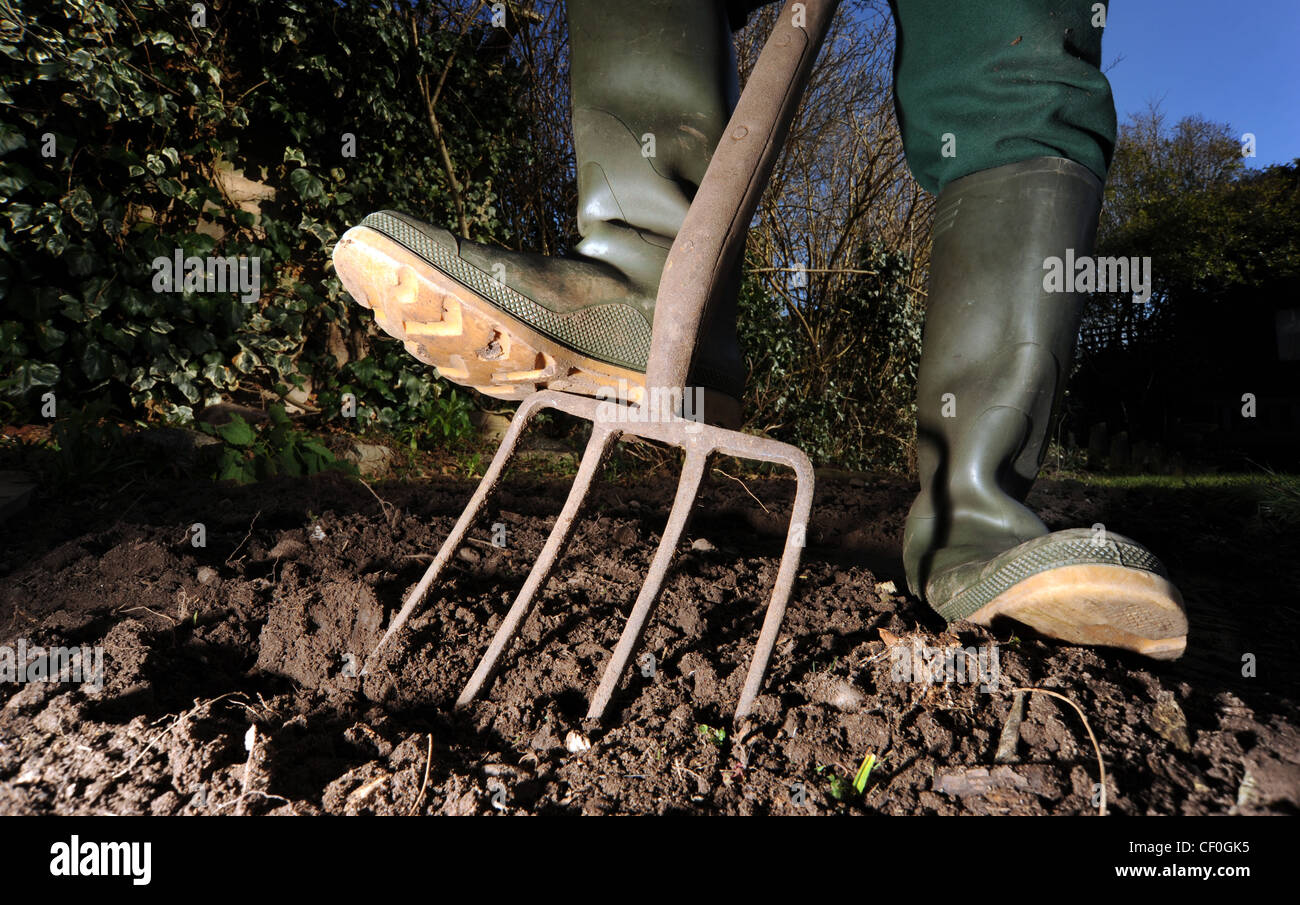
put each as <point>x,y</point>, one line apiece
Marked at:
<point>997,350</point>
<point>653,85</point>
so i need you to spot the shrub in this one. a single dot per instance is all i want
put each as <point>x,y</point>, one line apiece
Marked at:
<point>837,377</point>
<point>128,127</point>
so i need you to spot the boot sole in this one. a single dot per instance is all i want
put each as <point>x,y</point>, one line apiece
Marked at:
<point>1097,604</point>
<point>468,340</point>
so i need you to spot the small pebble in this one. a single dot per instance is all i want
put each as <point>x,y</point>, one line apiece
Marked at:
<point>287,548</point>
<point>503,770</point>
<point>839,694</point>
<point>576,742</point>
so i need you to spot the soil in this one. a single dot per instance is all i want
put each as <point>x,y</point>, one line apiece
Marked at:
<point>230,669</point>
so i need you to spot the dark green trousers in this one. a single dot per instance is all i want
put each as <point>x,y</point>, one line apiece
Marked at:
<point>982,83</point>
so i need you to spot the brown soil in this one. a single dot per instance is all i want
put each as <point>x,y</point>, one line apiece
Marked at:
<point>230,688</point>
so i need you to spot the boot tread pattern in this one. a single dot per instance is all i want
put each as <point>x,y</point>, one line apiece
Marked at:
<point>613,333</point>
<point>1068,548</point>
<point>444,323</point>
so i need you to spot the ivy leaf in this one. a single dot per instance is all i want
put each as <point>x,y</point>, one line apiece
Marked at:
<point>186,388</point>
<point>19,215</point>
<point>245,361</point>
<point>107,95</point>
<point>307,185</point>
<point>321,231</point>
<point>79,206</point>
<point>81,261</point>
<point>32,374</point>
<point>51,337</point>
<point>11,138</point>
<point>94,363</point>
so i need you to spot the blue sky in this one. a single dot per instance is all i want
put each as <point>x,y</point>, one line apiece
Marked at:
<point>1236,62</point>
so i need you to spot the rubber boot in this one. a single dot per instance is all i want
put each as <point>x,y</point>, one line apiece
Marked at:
<point>996,352</point>
<point>653,85</point>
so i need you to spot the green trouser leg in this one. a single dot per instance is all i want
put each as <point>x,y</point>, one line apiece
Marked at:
<point>983,83</point>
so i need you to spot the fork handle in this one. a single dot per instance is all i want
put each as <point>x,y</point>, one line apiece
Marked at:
<point>712,235</point>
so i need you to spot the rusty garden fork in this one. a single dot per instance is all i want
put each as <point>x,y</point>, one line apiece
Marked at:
<point>707,247</point>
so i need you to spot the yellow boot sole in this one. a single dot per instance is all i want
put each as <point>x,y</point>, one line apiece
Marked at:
<point>470,341</point>
<point>1097,604</point>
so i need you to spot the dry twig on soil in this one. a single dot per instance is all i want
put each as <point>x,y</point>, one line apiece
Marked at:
<point>384,506</point>
<point>744,486</point>
<point>1101,766</point>
<point>230,558</point>
<point>419,798</point>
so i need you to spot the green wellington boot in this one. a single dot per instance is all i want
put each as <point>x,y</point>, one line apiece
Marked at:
<point>997,350</point>
<point>653,86</point>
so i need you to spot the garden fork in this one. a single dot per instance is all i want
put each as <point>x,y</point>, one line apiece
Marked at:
<point>707,248</point>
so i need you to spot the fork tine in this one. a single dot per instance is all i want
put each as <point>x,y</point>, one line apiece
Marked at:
<point>602,437</point>
<point>491,478</point>
<point>795,540</point>
<point>688,487</point>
